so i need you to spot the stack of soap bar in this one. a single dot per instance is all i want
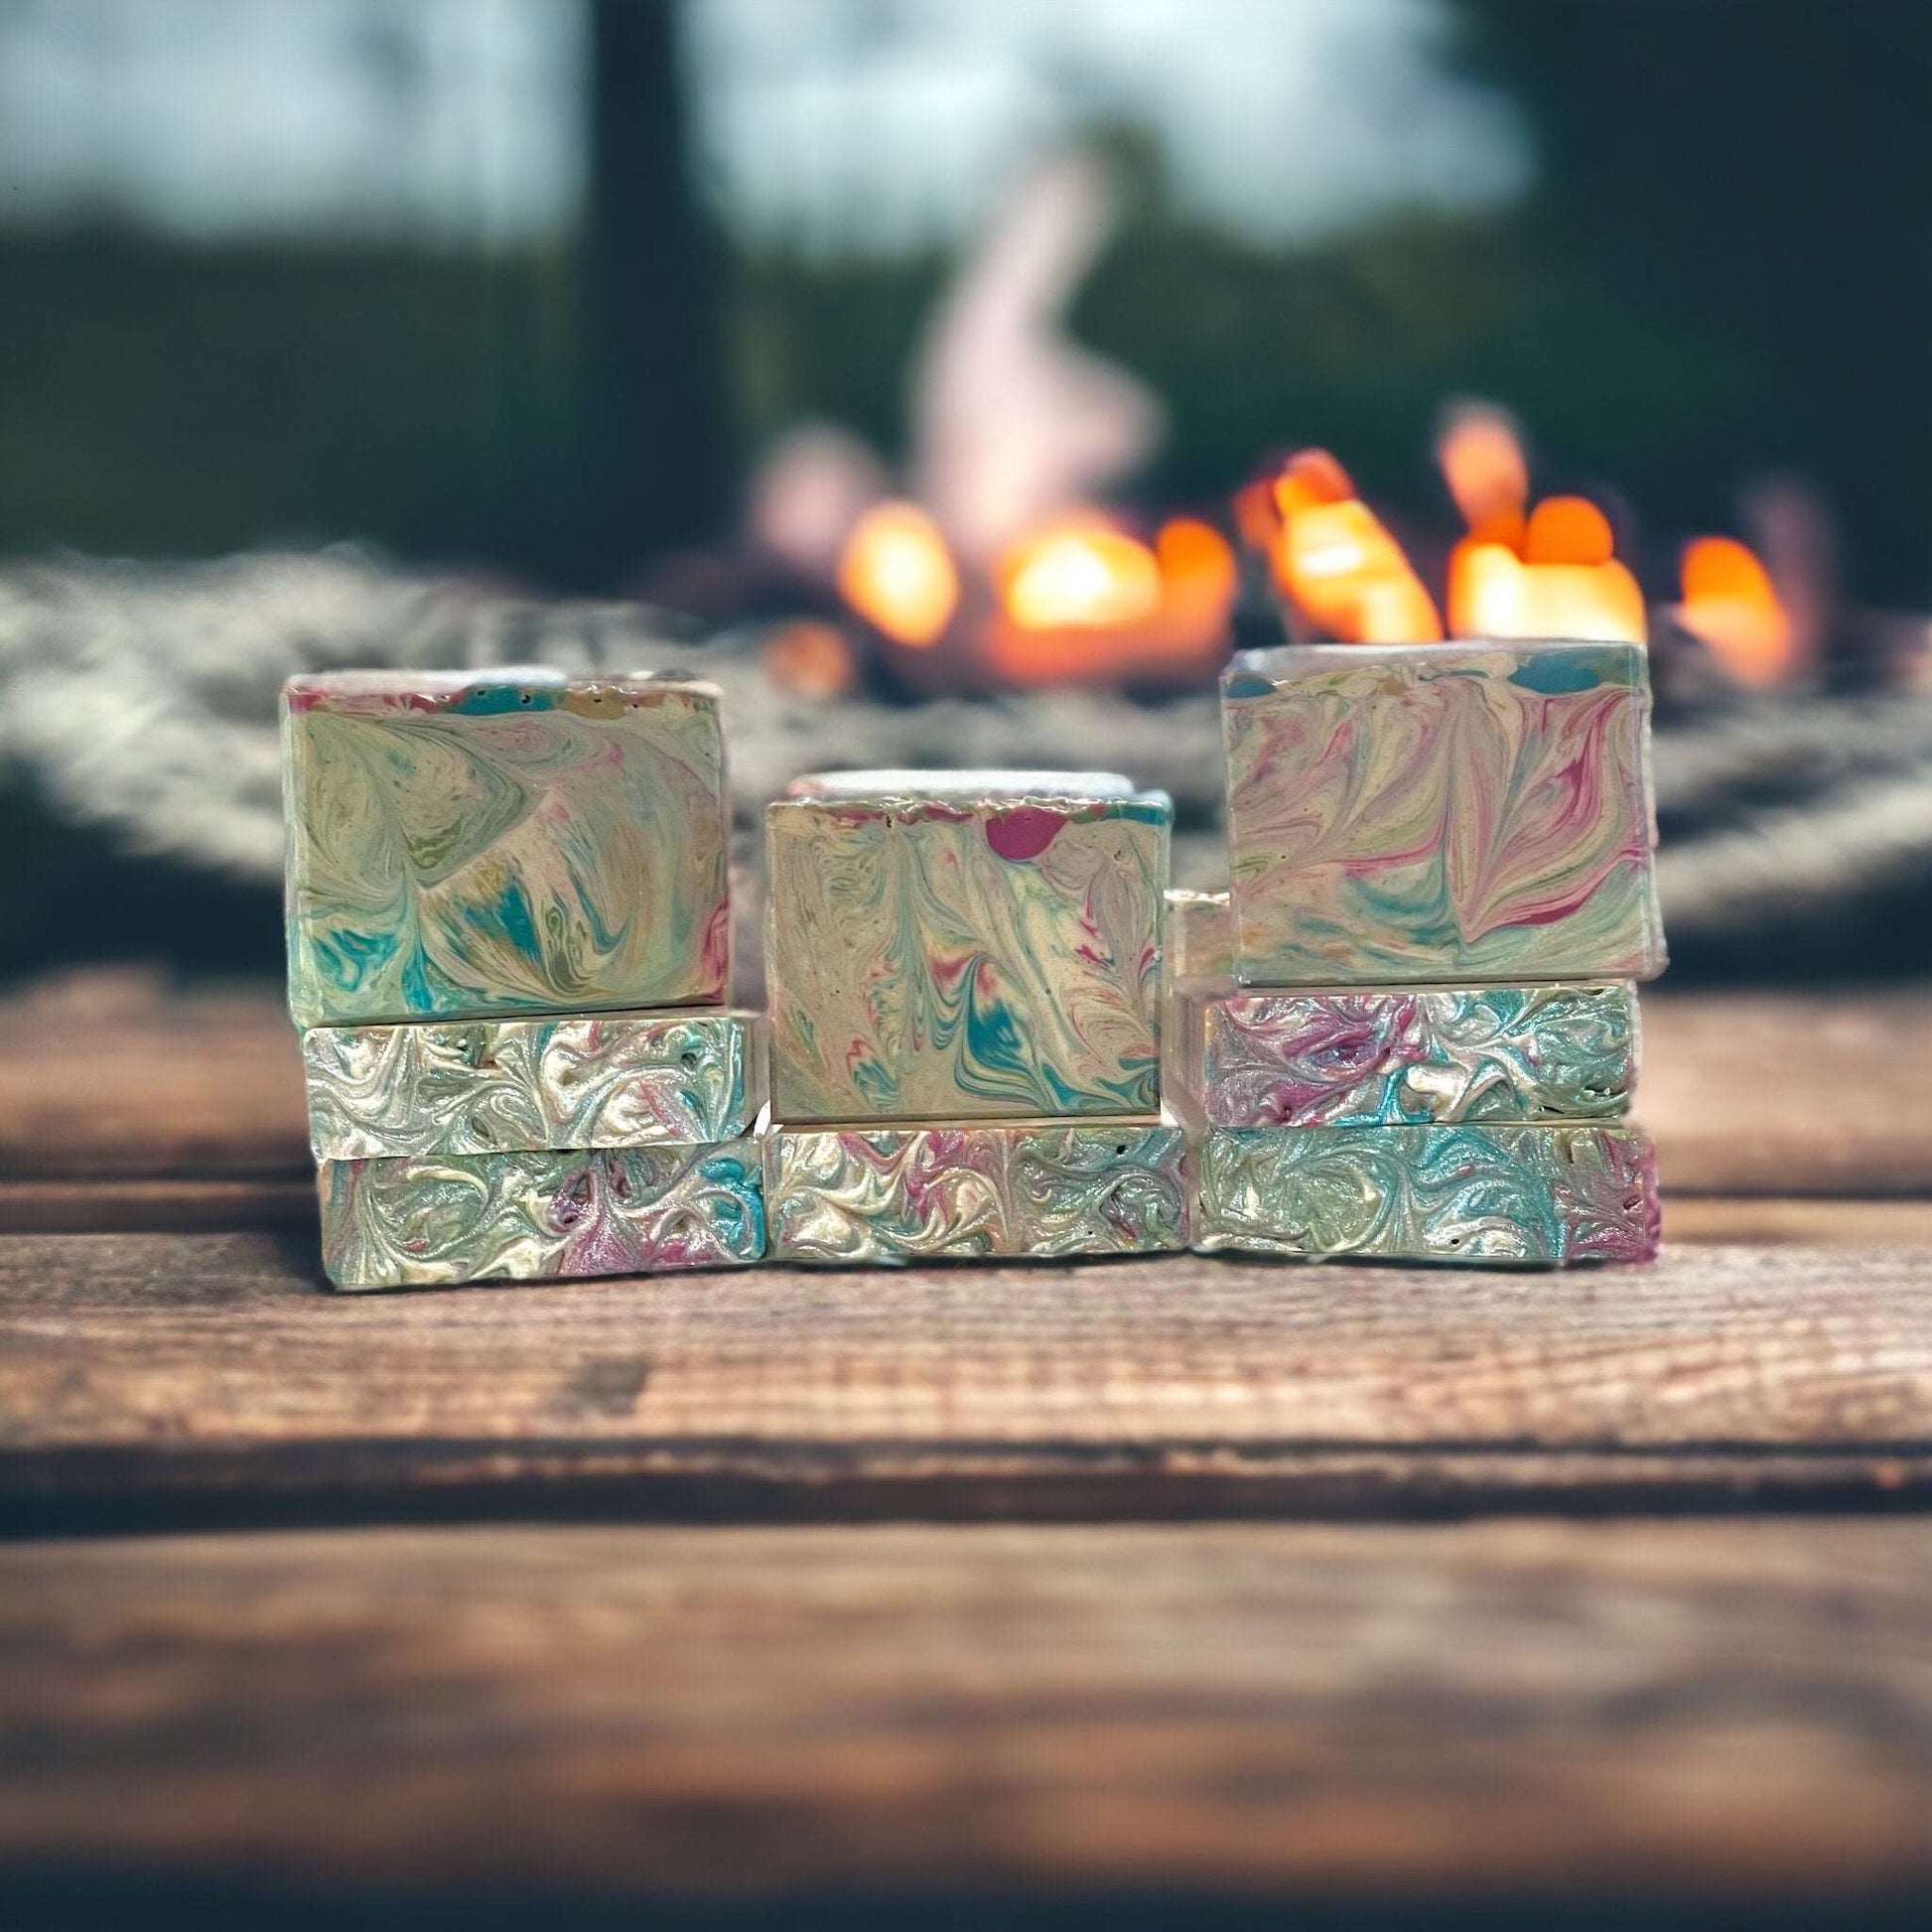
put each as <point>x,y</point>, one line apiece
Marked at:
<point>964,974</point>
<point>1411,1031</point>
<point>508,952</point>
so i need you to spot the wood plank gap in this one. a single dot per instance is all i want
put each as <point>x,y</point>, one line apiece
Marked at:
<point>117,1491</point>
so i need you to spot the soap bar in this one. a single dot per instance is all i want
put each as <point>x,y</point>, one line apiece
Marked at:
<point>1540,1196</point>
<point>422,1220</point>
<point>1347,1057</point>
<point>509,842</point>
<point>965,945</point>
<point>484,1086</point>
<point>1440,812</point>
<point>976,1188</point>
<point>1197,946</point>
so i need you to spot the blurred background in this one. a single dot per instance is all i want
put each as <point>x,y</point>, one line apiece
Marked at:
<point>947,381</point>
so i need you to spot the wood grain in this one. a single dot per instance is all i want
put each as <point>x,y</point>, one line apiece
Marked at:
<point>1734,1709</point>
<point>1789,1094</point>
<point>181,1365</point>
<point>113,1074</point>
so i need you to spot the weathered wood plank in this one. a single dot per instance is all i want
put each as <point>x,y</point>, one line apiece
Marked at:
<point>1732,1708</point>
<point>114,1074</point>
<point>177,1365</point>
<point>1789,1094</point>
<point>153,1204</point>
<point>1812,1221</point>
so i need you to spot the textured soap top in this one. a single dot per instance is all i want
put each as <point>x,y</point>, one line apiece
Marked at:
<point>962,955</point>
<point>538,687</point>
<point>1440,812</point>
<point>463,846</point>
<point>566,1080</point>
<point>1351,1056</point>
<point>541,1214</point>
<point>976,1189</point>
<point>1525,1196</point>
<point>962,786</point>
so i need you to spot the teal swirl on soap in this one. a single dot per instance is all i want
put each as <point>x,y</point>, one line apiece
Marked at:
<point>513,842</point>
<point>1343,1057</point>
<point>1537,1196</point>
<point>1440,812</point>
<point>947,946</point>
<point>579,1080</point>
<point>429,1220</point>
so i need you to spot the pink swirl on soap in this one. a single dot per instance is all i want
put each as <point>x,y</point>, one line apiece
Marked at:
<point>1613,1211</point>
<point>1025,832</point>
<point>1433,815</point>
<point>1329,1049</point>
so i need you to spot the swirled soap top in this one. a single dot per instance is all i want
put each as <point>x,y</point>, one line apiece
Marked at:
<point>1440,813</point>
<point>965,945</point>
<point>515,841</point>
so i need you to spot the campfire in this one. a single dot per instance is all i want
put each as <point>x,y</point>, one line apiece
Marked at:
<point>1089,597</point>
<point>1000,556</point>
<point>1080,600</point>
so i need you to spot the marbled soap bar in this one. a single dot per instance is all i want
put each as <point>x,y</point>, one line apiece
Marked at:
<point>1440,812</point>
<point>1538,1196</point>
<point>978,1188</point>
<point>509,842</point>
<point>965,945</point>
<point>1343,1057</point>
<point>424,1220</point>
<point>490,1086</point>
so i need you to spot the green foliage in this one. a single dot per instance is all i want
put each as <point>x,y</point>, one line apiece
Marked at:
<point>165,400</point>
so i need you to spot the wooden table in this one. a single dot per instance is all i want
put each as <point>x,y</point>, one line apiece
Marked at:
<point>1125,1583</point>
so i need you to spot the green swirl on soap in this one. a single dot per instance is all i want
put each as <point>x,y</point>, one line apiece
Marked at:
<point>916,971</point>
<point>471,848</point>
<point>1096,1189</point>
<point>481,1086</point>
<point>423,1220</point>
<point>1531,1196</point>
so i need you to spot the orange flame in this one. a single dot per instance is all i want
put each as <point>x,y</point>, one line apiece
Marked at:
<point>1334,559</point>
<point>1730,603</point>
<point>1566,583</point>
<point>1082,600</point>
<point>1080,573</point>
<point>1198,576</point>
<point>1552,573</point>
<point>897,571</point>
